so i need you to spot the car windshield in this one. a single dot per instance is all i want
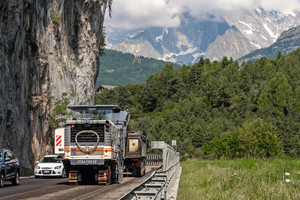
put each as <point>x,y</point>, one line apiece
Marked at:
<point>0,156</point>
<point>50,160</point>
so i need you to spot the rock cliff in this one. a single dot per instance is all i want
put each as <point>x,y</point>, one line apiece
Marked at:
<point>232,44</point>
<point>47,47</point>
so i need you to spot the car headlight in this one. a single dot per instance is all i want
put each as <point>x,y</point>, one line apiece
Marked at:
<point>37,167</point>
<point>57,167</point>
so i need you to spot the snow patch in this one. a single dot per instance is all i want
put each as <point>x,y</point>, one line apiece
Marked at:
<point>290,13</point>
<point>258,10</point>
<point>268,20</point>
<point>162,35</point>
<point>248,32</point>
<point>255,45</point>
<point>190,50</point>
<point>168,57</point>
<point>173,60</point>
<point>134,35</point>
<point>271,33</point>
<point>263,37</point>
<point>285,14</point>
<point>197,55</point>
<point>248,25</point>
<point>159,38</point>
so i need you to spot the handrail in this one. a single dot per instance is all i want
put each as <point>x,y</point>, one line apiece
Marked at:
<point>158,185</point>
<point>127,196</point>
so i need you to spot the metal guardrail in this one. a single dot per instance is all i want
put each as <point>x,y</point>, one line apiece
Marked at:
<point>154,159</point>
<point>159,184</point>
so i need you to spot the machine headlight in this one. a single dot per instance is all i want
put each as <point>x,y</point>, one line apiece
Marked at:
<point>57,167</point>
<point>37,167</point>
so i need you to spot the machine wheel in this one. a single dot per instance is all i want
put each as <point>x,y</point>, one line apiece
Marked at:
<point>108,177</point>
<point>139,171</point>
<point>144,169</point>
<point>16,180</point>
<point>136,171</point>
<point>2,179</point>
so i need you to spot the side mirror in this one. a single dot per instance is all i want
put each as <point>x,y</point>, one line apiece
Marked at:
<point>37,162</point>
<point>7,159</point>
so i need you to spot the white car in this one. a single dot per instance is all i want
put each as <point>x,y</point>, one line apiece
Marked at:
<point>50,165</point>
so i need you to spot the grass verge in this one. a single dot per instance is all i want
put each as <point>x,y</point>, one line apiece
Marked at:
<point>240,179</point>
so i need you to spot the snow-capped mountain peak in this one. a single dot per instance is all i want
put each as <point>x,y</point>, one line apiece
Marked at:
<point>232,37</point>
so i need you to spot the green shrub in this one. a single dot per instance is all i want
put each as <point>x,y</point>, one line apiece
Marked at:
<point>60,112</point>
<point>199,153</point>
<point>55,17</point>
<point>257,139</point>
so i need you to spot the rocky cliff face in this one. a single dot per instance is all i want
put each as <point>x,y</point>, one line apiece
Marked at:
<point>232,44</point>
<point>47,47</point>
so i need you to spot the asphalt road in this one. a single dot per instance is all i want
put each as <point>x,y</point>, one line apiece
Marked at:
<point>59,188</point>
<point>31,184</point>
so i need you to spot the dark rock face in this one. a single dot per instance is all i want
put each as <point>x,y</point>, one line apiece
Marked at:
<point>47,47</point>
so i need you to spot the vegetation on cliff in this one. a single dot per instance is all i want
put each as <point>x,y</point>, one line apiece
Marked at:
<point>60,112</point>
<point>205,103</point>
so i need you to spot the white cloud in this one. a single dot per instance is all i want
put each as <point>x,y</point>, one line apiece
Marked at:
<point>281,5</point>
<point>130,14</point>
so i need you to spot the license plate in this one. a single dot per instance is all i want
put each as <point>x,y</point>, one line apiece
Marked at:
<point>46,172</point>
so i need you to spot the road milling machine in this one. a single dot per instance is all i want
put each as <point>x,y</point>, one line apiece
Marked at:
<point>93,143</point>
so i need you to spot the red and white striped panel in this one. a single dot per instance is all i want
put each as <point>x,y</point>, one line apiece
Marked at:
<point>58,140</point>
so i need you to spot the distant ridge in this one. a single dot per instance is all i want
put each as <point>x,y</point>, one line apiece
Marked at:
<point>117,68</point>
<point>286,44</point>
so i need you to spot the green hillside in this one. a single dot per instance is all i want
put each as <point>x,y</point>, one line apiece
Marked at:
<point>117,68</point>
<point>219,108</point>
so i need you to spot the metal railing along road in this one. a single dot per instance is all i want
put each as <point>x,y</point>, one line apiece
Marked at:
<point>154,159</point>
<point>159,184</point>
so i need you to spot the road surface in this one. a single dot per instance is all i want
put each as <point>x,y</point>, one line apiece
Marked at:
<point>59,188</point>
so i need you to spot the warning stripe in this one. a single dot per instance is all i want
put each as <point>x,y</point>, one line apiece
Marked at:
<point>58,138</point>
<point>58,143</point>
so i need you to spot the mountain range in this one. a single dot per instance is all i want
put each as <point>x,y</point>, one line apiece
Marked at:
<point>287,42</point>
<point>213,39</point>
